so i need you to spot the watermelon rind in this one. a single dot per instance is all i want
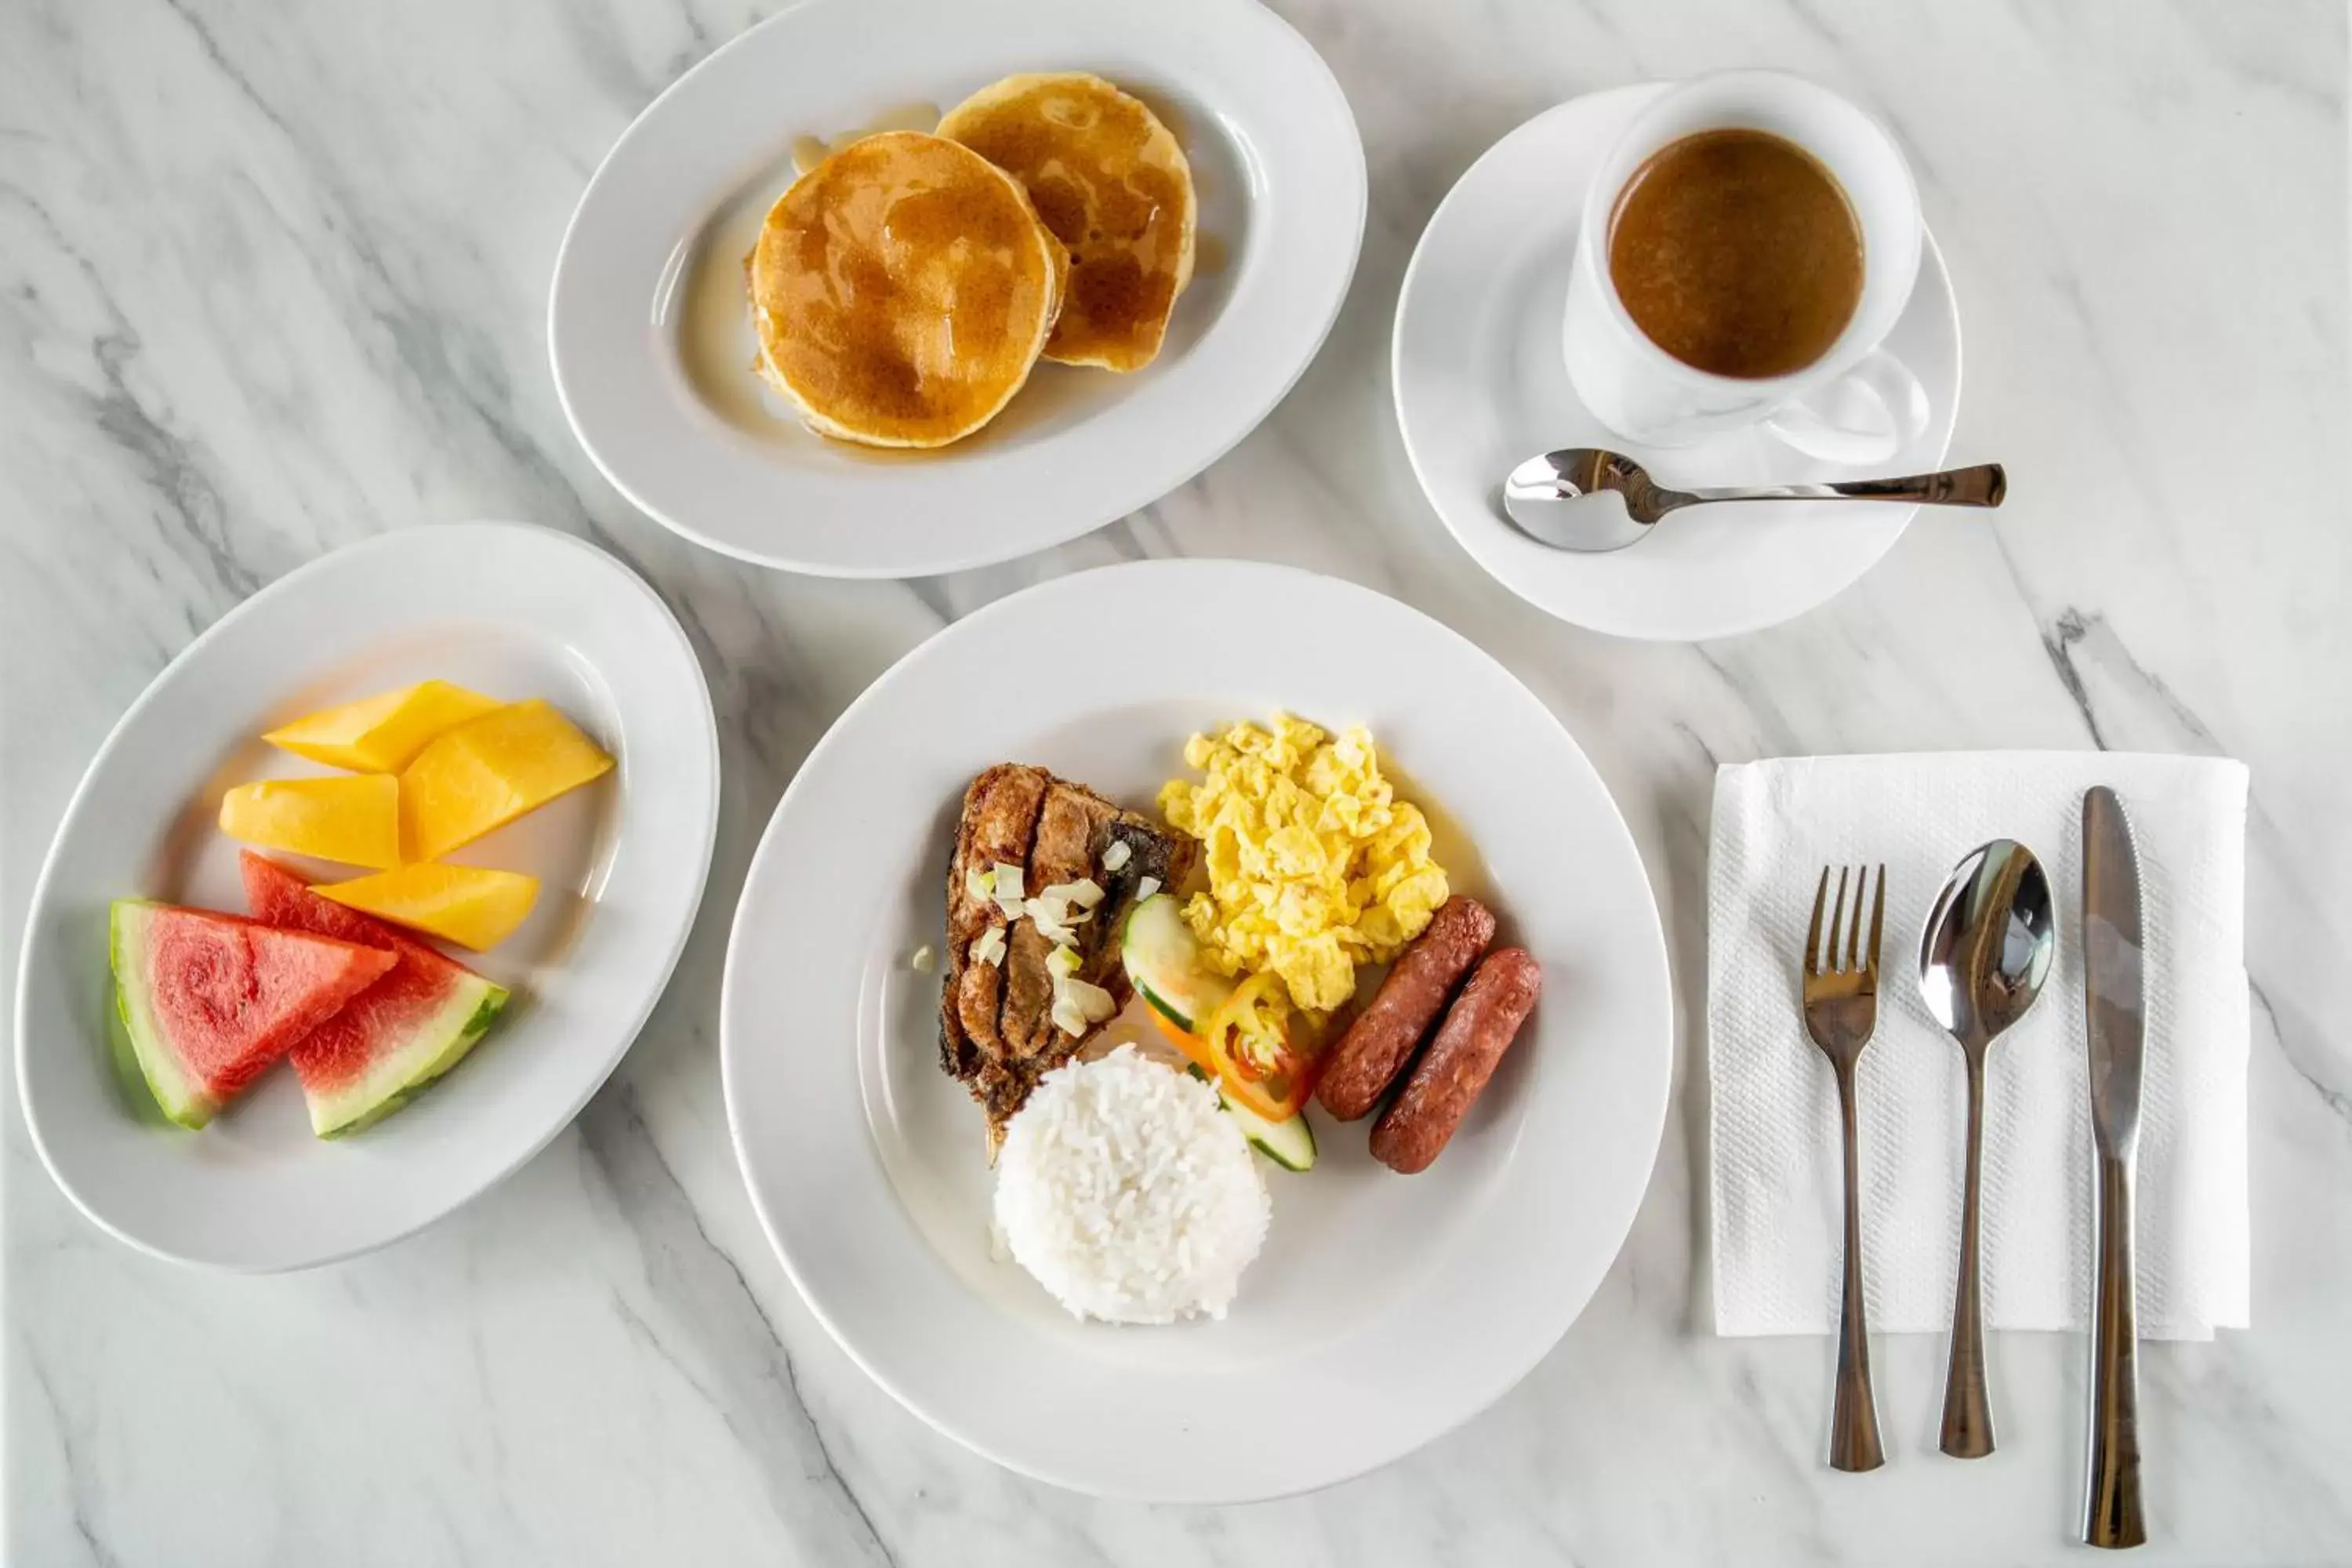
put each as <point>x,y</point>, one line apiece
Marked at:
<point>430,1049</point>
<point>176,1095</point>
<point>130,1078</point>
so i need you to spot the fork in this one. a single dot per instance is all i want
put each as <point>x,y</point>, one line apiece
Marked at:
<point>1841,989</point>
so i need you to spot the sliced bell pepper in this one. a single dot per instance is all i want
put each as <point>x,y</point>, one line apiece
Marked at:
<point>1249,1040</point>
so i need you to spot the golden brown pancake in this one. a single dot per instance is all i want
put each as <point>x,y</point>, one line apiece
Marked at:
<point>1112,183</point>
<point>902,289</point>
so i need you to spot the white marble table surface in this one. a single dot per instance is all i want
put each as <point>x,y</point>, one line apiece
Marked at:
<point>273,279</point>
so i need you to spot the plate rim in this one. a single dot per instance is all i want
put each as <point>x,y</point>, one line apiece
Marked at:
<point>279,588</point>
<point>1631,94</point>
<point>1658,962</point>
<point>975,556</point>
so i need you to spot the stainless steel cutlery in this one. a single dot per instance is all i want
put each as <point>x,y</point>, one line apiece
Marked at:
<point>1983,959</point>
<point>1841,991</point>
<point>1552,499</point>
<point>2115,1005</point>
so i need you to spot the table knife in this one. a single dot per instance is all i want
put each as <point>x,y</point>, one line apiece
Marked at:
<point>2117,1017</point>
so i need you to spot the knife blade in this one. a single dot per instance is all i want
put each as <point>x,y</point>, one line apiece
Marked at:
<point>2116,1005</point>
<point>2111,956</point>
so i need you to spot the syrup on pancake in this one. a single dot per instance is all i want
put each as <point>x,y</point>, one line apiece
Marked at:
<point>902,290</point>
<point>1112,183</point>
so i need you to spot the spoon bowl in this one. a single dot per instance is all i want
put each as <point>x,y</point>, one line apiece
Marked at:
<point>1983,958</point>
<point>1582,498</point>
<point>1988,945</point>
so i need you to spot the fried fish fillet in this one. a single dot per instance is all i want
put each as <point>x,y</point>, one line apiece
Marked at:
<point>996,1030</point>
<point>902,290</point>
<point>1112,183</point>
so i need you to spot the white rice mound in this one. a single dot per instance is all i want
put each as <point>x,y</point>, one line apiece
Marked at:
<point>1128,1194</point>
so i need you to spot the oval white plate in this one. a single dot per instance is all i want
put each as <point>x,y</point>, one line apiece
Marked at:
<point>514,610</point>
<point>1481,386</point>
<point>1385,1308</point>
<point>1281,173</point>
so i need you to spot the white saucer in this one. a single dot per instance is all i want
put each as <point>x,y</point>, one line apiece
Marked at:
<point>651,346</point>
<point>508,610</point>
<point>1480,386</point>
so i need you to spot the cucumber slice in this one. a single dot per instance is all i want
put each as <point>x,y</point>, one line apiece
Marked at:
<point>1163,962</point>
<point>1289,1144</point>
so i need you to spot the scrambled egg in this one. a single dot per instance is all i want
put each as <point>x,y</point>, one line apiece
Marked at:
<point>1315,865</point>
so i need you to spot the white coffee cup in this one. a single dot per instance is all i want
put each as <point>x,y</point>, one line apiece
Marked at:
<point>1856,403</point>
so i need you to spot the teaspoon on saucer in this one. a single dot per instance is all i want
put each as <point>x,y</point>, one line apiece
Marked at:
<point>1555,499</point>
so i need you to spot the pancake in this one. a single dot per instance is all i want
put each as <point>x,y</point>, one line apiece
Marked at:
<point>1112,183</point>
<point>901,291</point>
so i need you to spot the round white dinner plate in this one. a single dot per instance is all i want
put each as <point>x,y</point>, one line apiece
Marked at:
<point>660,392</point>
<point>1481,386</point>
<point>1384,1308</point>
<point>511,610</point>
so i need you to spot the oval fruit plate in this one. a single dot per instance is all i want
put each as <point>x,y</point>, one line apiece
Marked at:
<point>439,1070</point>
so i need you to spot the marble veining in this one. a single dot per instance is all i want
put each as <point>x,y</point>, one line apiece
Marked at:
<point>273,279</point>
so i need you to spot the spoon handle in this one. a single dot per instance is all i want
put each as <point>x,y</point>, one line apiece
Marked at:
<point>1853,1414</point>
<point>1983,485</point>
<point>1967,1412</point>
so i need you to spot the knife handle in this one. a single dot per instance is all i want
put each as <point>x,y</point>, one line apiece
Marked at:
<point>2114,1513</point>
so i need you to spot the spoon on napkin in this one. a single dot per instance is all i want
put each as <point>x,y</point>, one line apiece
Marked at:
<point>1556,499</point>
<point>1983,957</point>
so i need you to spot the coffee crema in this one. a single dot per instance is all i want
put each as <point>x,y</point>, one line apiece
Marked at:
<point>1737,253</point>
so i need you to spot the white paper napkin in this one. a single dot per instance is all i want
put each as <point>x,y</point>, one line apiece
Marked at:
<point>1777,1187</point>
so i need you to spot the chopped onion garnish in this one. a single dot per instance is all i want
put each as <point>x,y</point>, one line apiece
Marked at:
<point>980,884</point>
<point>1145,888</point>
<point>1094,1002</point>
<point>1062,962</point>
<point>1055,919</point>
<point>988,946</point>
<point>1119,853</point>
<point>1007,889</point>
<point>1084,894</point>
<point>920,962</point>
<point>1068,1017</point>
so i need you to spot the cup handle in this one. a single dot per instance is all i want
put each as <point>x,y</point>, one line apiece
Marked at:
<point>1867,416</point>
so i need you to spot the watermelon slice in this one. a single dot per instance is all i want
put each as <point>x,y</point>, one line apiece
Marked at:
<point>209,1000</point>
<point>395,1037</point>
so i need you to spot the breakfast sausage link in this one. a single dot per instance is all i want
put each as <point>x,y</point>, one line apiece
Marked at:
<point>1369,1056</point>
<point>1479,1027</point>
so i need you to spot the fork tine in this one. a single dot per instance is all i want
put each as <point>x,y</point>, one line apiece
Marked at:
<point>1853,959</point>
<point>1814,931</point>
<point>1837,918</point>
<point>1877,922</point>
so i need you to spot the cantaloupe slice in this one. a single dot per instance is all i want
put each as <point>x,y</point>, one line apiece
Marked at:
<point>382,734</point>
<point>470,905</point>
<point>354,819</point>
<point>486,773</point>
